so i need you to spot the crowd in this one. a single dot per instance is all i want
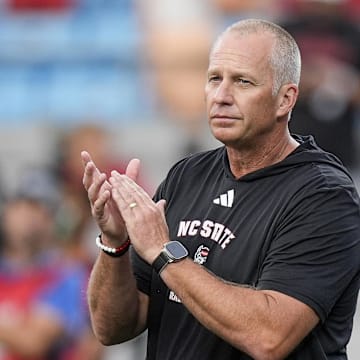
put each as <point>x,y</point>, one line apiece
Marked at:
<point>47,251</point>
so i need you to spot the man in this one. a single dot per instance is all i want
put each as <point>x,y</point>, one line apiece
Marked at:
<point>261,236</point>
<point>330,84</point>
<point>42,312</point>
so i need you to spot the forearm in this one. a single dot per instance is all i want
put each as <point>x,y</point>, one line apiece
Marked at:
<point>249,319</point>
<point>30,337</point>
<point>23,343</point>
<point>118,311</point>
<point>115,306</point>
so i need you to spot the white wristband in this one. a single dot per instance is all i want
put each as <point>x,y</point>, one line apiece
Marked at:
<point>115,252</point>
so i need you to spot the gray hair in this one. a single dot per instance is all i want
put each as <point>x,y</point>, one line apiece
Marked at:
<point>285,58</point>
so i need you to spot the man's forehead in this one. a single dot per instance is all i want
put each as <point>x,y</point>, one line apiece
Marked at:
<point>233,46</point>
<point>247,35</point>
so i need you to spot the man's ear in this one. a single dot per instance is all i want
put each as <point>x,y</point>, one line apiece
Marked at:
<point>287,98</point>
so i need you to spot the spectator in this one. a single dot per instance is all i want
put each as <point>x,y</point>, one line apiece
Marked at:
<point>177,39</point>
<point>232,10</point>
<point>74,221</point>
<point>43,312</point>
<point>330,83</point>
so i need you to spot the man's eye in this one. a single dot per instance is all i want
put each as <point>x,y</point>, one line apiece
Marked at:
<point>243,81</point>
<point>213,78</point>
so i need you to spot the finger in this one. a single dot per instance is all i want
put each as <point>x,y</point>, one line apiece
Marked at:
<point>161,206</point>
<point>121,198</point>
<point>130,184</point>
<point>85,157</point>
<point>89,175</point>
<point>90,169</point>
<point>133,169</point>
<point>86,160</point>
<point>97,187</point>
<point>91,172</point>
<point>124,196</point>
<point>99,204</point>
<point>130,191</point>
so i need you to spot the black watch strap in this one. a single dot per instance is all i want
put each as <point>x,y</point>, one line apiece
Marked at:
<point>173,251</point>
<point>160,263</point>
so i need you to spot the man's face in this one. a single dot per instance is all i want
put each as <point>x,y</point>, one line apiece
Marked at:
<point>239,101</point>
<point>27,224</point>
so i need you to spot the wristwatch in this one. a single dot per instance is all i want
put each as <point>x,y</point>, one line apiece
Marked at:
<point>172,251</point>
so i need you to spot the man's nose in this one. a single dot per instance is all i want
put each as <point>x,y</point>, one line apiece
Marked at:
<point>223,93</point>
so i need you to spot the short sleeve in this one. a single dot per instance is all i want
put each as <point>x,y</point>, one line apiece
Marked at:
<point>315,252</point>
<point>142,272</point>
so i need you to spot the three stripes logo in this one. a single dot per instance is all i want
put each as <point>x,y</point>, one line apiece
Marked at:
<point>226,199</point>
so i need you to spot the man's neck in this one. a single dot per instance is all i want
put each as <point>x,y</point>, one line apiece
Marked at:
<point>245,161</point>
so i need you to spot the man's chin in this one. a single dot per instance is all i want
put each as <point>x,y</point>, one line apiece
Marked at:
<point>225,136</point>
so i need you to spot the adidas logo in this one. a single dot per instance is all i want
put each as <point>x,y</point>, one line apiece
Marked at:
<point>226,199</point>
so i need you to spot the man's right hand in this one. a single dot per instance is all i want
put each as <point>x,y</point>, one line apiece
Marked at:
<point>103,208</point>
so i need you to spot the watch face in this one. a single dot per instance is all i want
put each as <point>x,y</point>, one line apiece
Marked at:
<point>176,249</point>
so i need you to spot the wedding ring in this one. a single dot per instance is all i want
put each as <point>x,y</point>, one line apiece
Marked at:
<point>132,205</point>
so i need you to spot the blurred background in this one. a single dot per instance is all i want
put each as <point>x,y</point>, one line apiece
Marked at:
<point>123,79</point>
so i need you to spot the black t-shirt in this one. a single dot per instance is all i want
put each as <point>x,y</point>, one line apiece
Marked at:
<point>293,227</point>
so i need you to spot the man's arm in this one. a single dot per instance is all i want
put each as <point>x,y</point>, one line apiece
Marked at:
<point>30,336</point>
<point>118,310</point>
<point>264,324</point>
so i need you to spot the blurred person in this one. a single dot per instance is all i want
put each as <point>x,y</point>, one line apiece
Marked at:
<point>230,10</point>
<point>249,250</point>
<point>43,312</point>
<point>74,222</point>
<point>177,38</point>
<point>353,11</point>
<point>330,83</point>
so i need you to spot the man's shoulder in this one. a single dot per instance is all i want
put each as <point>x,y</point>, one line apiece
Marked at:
<point>200,159</point>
